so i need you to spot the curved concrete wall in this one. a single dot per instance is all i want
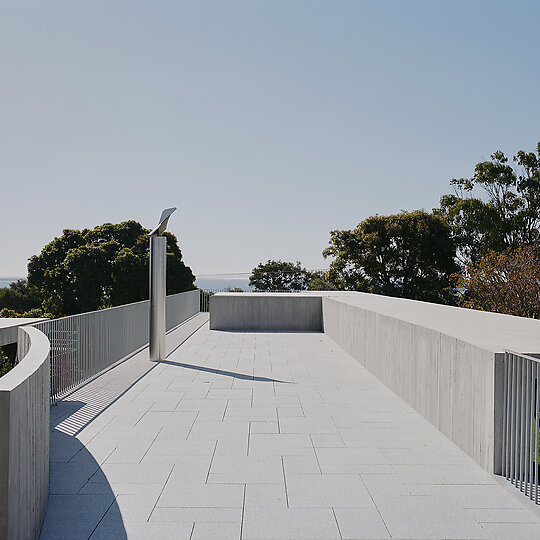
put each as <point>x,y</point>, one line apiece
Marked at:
<point>24,439</point>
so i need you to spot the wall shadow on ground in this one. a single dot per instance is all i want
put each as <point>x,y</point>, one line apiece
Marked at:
<point>82,504</point>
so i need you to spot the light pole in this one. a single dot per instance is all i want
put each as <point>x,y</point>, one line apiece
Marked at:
<point>158,287</point>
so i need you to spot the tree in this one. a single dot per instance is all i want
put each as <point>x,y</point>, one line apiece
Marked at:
<point>280,276</point>
<point>20,297</point>
<point>508,215</point>
<point>101,267</point>
<point>409,255</point>
<point>507,282</point>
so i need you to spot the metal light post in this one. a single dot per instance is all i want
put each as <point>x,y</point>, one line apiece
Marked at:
<point>158,287</point>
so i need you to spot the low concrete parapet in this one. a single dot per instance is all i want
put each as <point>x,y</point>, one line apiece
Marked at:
<point>266,312</point>
<point>24,439</point>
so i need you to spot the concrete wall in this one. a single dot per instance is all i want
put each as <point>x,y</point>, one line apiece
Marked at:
<point>266,312</point>
<point>9,328</point>
<point>451,382</point>
<point>24,439</point>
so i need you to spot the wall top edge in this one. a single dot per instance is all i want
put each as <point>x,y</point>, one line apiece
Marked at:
<point>37,354</point>
<point>494,332</point>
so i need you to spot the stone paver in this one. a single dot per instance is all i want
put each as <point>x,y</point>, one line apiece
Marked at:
<point>261,436</point>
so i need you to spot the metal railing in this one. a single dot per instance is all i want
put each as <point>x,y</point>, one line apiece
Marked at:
<point>521,423</point>
<point>83,345</point>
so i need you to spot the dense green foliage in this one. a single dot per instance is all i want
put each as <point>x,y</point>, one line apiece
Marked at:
<point>410,255</point>
<point>7,358</point>
<point>505,213</point>
<point>20,297</point>
<point>101,267</point>
<point>280,276</point>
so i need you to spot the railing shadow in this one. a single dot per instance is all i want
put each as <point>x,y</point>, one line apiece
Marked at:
<point>81,501</point>
<point>233,374</point>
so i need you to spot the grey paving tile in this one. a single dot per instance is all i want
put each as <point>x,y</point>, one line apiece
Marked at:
<point>327,491</point>
<point>289,523</point>
<point>327,440</point>
<point>264,427</point>
<point>443,474</point>
<point>199,515</point>
<point>216,531</point>
<point>469,496</point>
<point>356,523</point>
<point>266,496</point>
<point>72,517</point>
<point>423,517</point>
<point>307,464</point>
<point>504,515</point>
<point>139,473</point>
<point>515,531</point>
<point>112,527</point>
<point>246,470</point>
<point>179,493</point>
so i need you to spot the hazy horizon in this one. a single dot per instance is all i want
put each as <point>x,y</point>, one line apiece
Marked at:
<point>268,124</point>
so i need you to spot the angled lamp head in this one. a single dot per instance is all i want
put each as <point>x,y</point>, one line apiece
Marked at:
<point>163,220</point>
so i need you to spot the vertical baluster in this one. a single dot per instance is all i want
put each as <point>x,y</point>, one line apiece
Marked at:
<point>512,420</point>
<point>505,409</point>
<point>536,428</point>
<point>527,454</point>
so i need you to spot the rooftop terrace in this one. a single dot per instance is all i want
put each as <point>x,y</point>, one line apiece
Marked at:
<point>262,435</point>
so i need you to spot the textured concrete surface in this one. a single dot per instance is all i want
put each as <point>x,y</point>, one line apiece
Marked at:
<point>24,439</point>
<point>451,382</point>
<point>291,312</point>
<point>9,328</point>
<point>261,436</point>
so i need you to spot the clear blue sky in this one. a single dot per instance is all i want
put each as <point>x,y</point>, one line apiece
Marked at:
<point>267,123</point>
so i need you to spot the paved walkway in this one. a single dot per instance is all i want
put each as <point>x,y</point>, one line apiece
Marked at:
<point>261,436</point>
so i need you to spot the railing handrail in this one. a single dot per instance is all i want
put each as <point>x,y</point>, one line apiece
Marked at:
<point>108,309</point>
<point>522,355</point>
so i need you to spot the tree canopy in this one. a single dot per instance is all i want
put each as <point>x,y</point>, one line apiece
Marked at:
<point>85,270</point>
<point>19,297</point>
<point>280,276</point>
<point>507,282</point>
<point>410,255</point>
<point>498,208</point>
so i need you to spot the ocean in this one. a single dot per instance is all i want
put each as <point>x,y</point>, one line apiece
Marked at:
<point>222,283</point>
<point>4,282</point>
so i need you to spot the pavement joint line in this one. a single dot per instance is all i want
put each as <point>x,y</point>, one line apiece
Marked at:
<point>161,492</point>
<point>315,452</point>
<point>225,410</point>
<point>337,523</point>
<point>189,432</point>
<point>378,511</point>
<point>150,446</point>
<point>101,519</point>
<point>243,511</point>
<point>249,438</point>
<point>211,461</point>
<point>285,481</point>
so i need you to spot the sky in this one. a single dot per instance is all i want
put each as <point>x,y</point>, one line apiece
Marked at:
<point>268,124</point>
